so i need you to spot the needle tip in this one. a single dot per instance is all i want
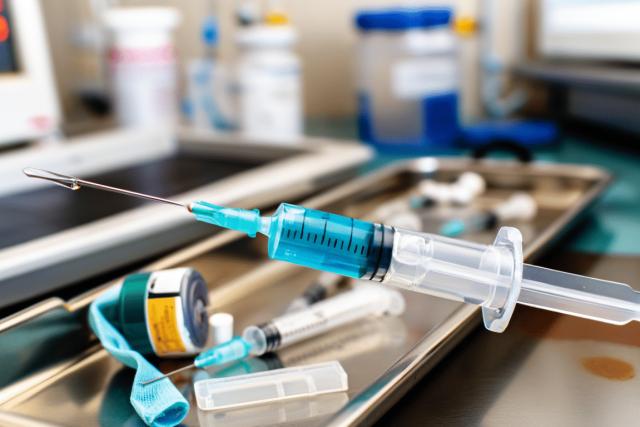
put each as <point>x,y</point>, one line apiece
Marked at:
<point>30,172</point>
<point>153,380</point>
<point>167,375</point>
<point>66,181</point>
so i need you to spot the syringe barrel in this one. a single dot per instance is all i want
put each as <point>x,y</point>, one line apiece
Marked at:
<point>330,242</point>
<point>486,275</point>
<point>363,301</point>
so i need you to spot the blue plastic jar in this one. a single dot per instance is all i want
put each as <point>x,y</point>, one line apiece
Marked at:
<point>407,79</point>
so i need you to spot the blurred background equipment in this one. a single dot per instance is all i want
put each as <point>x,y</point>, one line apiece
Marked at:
<point>213,45</point>
<point>597,29</point>
<point>28,97</point>
<point>588,54</point>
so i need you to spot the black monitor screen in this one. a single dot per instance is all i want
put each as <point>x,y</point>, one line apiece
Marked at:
<point>8,63</point>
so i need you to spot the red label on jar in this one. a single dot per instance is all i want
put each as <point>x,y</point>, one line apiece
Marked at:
<point>155,55</point>
<point>4,29</point>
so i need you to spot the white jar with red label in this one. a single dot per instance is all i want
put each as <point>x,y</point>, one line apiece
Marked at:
<point>142,65</point>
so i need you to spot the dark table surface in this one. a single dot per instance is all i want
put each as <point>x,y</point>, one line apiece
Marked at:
<point>545,369</point>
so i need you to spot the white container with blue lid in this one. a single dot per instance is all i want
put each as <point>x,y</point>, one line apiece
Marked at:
<point>408,80</point>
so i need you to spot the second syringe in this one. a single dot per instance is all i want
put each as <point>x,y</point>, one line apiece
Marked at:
<point>366,300</point>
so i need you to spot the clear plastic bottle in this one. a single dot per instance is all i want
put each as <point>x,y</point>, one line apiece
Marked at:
<point>270,83</point>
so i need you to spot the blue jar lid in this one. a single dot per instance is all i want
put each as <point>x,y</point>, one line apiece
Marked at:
<point>400,19</point>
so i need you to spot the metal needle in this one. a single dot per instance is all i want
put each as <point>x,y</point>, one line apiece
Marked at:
<point>74,183</point>
<point>168,374</point>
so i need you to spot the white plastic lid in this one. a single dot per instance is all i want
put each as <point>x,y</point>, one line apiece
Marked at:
<point>221,325</point>
<point>267,36</point>
<point>270,386</point>
<point>142,18</point>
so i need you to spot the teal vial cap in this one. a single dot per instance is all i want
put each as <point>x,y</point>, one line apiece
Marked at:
<point>131,312</point>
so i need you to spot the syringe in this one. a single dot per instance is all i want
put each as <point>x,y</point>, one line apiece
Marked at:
<point>323,287</point>
<point>357,304</point>
<point>492,276</point>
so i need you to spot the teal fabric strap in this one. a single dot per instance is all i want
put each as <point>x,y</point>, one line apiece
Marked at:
<point>159,403</point>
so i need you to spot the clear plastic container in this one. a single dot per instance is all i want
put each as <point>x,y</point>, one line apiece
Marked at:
<point>271,386</point>
<point>407,79</point>
<point>297,412</point>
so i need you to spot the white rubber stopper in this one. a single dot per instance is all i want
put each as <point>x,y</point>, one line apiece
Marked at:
<point>463,191</point>
<point>221,327</point>
<point>472,182</point>
<point>520,206</point>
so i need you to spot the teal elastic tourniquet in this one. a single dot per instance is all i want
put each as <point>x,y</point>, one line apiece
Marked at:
<point>159,403</point>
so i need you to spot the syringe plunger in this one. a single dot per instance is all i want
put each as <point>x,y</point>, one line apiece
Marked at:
<point>494,277</point>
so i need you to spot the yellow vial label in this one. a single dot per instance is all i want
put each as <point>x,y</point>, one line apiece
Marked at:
<point>163,325</point>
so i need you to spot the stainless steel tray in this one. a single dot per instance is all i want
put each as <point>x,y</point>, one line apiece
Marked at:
<point>79,384</point>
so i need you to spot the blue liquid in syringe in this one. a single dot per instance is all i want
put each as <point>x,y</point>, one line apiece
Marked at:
<point>311,238</point>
